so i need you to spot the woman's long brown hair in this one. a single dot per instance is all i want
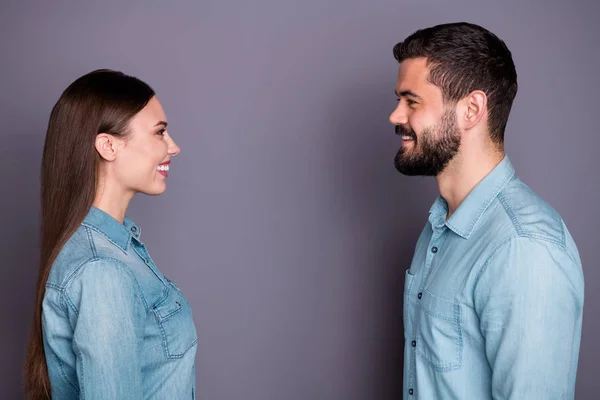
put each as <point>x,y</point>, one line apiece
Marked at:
<point>101,101</point>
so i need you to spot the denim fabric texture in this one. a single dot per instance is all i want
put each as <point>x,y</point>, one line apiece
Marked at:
<point>114,326</point>
<point>493,299</point>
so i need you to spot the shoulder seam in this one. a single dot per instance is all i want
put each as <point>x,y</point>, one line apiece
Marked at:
<point>522,233</point>
<point>91,241</point>
<point>489,258</point>
<point>511,214</point>
<point>91,227</point>
<point>138,289</point>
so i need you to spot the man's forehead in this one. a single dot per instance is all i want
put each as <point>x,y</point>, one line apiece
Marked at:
<point>413,70</point>
<point>413,77</point>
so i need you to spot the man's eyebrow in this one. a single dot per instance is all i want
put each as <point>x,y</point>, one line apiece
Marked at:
<point>407,93</point>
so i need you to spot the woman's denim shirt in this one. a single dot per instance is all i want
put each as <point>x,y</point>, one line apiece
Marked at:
<point>114,326</point>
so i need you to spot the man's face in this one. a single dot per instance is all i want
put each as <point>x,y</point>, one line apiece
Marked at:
<point>430,134</point>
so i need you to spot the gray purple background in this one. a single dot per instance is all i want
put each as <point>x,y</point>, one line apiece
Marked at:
<point>285,222</point>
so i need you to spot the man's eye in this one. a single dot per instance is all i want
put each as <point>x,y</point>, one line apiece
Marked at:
<point>161,132</point>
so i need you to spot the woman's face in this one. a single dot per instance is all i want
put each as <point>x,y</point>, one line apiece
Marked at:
<point>142,161</point>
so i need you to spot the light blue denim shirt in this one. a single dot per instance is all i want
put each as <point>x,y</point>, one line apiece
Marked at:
<point>114,327</point>
<point>493,299</point>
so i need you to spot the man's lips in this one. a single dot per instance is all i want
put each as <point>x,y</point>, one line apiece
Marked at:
<point>404,133</point>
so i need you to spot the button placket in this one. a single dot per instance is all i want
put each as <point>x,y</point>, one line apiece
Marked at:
<point>436,238</point>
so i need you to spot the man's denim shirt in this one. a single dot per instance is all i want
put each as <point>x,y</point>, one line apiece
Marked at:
<point>493,299</point>
<point>114,327</point>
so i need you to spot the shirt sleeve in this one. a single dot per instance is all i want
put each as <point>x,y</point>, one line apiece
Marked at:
<point>529,299</point>
<point>107,323</point>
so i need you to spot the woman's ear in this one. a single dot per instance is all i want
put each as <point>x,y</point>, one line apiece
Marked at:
<point>106,146</point>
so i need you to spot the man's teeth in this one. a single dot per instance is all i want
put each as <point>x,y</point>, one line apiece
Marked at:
<point>163,168</point>
<point>406,137</point>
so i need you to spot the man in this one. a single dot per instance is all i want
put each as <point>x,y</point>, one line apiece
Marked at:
<point>494,295</point>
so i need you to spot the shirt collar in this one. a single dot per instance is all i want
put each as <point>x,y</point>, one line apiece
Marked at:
<point>113,230</point>
<point>465,218</point>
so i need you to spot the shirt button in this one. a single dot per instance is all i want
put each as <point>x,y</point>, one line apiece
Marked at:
<point>434,249</point>
<point>414,343</point>
<point>410,391</point>
<point>134,229</point>
<point>420,295</point>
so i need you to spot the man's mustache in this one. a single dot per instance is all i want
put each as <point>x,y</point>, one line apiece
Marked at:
<point>401,130</point>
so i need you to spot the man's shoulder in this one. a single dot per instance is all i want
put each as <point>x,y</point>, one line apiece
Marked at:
<point>530,215</point>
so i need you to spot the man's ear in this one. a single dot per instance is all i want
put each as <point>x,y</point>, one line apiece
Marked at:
<point>472,110</point>
<point>106,146</point>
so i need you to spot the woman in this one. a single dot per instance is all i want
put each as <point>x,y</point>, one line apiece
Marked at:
<point>108,324</point>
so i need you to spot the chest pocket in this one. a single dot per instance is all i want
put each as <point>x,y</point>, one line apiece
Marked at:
<point>439,334</point>
<point>174,317</point>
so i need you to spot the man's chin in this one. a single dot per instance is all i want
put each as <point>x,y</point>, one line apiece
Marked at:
<point>413,169</point>
<point>413,172</point>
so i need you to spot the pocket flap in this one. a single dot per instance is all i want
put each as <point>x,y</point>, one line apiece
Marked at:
<point>166,308</point>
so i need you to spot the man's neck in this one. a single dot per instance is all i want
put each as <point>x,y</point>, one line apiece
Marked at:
<point>462,175</point>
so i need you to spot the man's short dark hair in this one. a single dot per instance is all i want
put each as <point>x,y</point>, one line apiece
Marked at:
<point>464,57</point>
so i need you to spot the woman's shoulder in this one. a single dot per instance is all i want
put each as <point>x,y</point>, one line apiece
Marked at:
<point>83,249</point>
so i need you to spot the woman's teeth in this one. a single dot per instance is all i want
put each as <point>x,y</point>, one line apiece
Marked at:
<point>164,168</point>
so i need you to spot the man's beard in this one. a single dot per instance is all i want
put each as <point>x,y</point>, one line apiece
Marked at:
<point>432,151</point>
